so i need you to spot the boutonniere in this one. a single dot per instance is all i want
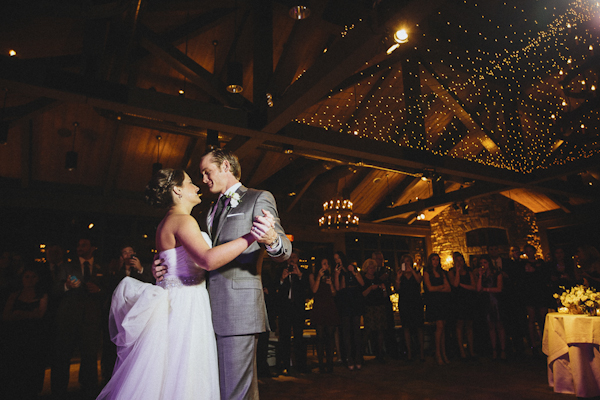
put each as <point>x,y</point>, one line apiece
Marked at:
<point>234,200</point>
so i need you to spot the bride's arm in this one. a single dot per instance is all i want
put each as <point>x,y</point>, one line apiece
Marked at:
<point>189,235</point>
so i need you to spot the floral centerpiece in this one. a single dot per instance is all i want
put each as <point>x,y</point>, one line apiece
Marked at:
<point>580,300</point>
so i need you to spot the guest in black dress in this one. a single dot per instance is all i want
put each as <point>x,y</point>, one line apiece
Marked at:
<point>375,294</point>
<point>324,315</point>
<point>464,289</point>
<point>24,341</point>
<point>437,290</point>
<point>349,285</point>
<point>490,283</point>
<point>410,304</point>
<point>536,292</point>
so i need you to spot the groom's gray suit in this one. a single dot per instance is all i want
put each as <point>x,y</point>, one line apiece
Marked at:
<point>236,293</point>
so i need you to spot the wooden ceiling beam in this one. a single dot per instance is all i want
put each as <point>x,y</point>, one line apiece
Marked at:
<point>406,185</point>
<point>195,26</point>
<point>178,111</point>
<point>301,193</point>
<point>477,190</point>
<point>365,101</point>
<point>190,69</point>
<point>294,51</point>
<point>29,110</point>
<point>349,54</point>
<point>365,73</point>
<point>454,103</point>
<point>340,61</point>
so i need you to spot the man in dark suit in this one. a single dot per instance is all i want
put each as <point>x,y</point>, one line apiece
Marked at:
<point>78,320</point>
<point>236,292</point>
<point>291,298</point>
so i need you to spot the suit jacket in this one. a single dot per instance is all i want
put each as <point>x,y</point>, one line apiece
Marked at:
<point>236,295</point>
<point>75,299</point>
<point>299,289</point>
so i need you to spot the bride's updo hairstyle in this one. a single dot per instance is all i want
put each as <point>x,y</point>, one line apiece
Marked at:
<point>159,189</point>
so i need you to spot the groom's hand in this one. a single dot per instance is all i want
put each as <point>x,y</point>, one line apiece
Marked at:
<point>267,220</point>
<point>158,270</point>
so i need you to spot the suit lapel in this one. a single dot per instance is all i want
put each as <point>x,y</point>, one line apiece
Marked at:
<point>241,191</point>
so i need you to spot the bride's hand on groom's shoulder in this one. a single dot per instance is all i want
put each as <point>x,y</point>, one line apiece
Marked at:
<point>158,270</point>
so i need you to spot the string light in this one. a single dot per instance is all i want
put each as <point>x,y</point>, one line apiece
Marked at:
<point>536,69</point>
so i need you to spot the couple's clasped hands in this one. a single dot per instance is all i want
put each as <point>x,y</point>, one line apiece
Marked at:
<point>263,228</point>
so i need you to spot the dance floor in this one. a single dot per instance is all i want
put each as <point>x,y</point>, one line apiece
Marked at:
<point>515,379</point>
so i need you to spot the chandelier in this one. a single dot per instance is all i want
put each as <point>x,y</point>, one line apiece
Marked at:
<point>337,214</point>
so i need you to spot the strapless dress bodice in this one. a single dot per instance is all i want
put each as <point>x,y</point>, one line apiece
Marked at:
<point>182,270</point>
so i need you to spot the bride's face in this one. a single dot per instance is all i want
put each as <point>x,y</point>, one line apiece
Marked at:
<point>189,191</point>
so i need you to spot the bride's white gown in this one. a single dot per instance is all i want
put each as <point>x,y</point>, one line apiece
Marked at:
<point>164,335</point>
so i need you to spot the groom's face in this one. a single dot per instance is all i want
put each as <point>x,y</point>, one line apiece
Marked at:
<point>213,175</point>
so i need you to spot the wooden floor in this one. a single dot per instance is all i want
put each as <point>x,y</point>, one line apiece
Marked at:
<point>523,378</point>
<point>402,380</point>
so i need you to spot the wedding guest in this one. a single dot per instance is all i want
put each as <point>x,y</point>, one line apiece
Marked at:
<point>262,347</point>
<point>588,258</point>
<point>385,274</point>
<point>49,270</point>
<point>78,321</point>
<point>437,290</point>
<point>464,289</point>
<point>562,274</point>
<point>129,265</point>
<point>535,290</point>
<point>410,304</point>
<point>490,283</point>
<point>25,338</point>
<point>375,294</point>
<point>324,313</point>
<point>515,315</point>
<point>498,262</point>
<point>291,299</point>
<point>349,285</point>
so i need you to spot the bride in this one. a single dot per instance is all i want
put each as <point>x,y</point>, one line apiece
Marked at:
<point>164,333</point>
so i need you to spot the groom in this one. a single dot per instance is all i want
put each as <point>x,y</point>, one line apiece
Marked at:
<point>236,295</point>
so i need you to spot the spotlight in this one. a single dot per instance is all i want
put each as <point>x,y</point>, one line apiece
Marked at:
<point>212,140</point>
<point>401,36</point>
<point>12,53</point>
<point>299,9</point>
<point>235,77</point>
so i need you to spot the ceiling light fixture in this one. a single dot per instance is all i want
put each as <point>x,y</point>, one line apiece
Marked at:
<point>299,9</point>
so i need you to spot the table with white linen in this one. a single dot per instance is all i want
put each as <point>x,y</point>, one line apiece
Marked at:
<point>572,344</point>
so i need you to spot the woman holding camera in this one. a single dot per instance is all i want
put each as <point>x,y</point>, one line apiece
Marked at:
<point>349,285</point>
<point>324,313</point>
<point>437,291</point>
<point>375,294</point>
<point>410,304</point>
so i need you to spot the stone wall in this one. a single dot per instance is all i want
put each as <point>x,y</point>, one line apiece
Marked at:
<point>449,228</point>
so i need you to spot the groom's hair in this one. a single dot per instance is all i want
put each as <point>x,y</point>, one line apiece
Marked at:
<point>220,155</point>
